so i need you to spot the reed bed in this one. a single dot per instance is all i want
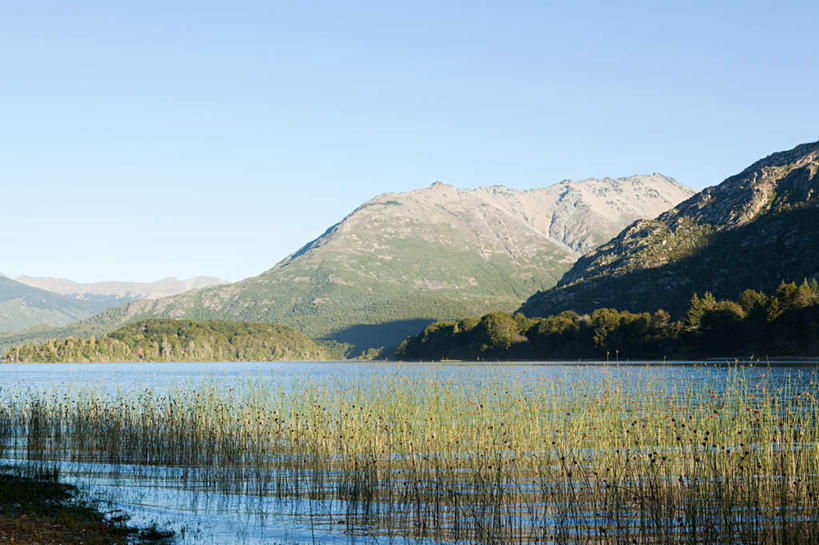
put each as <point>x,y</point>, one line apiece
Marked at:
<point>533,461</point>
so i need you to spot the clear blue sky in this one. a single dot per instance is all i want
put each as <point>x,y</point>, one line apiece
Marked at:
<point>148,139</point>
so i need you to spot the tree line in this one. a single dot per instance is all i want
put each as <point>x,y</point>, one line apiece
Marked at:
<point>176,340</point>
<point>784,323</point>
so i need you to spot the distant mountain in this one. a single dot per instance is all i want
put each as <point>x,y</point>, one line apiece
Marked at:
<point>120,291</point>
<point>23,306</point>
<point>402,260</point>
<point>177,340</point>
<point>49,303</point>
<point>753,230</point>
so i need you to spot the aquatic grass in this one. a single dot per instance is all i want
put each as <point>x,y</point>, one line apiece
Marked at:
<point>537,460</point>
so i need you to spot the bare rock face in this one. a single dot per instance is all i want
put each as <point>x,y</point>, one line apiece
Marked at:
<point>772,205</point>
<point>582,215</point>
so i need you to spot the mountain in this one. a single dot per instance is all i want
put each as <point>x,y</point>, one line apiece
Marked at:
<point>29,302</point>
<point>120,291</point>
<point>582,215</point>
<point>402,260</point>
<point>177,340</point>
<point>23,306</point>
<point>754,230</point>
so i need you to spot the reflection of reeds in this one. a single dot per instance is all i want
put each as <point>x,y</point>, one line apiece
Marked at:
<point>541,461</point>
<point>5,430</point>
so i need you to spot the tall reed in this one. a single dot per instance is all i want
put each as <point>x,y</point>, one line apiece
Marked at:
<point>533,461</point>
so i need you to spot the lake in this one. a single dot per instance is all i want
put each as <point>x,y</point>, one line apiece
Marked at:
<point>160,376</point>
<point>200,512</point>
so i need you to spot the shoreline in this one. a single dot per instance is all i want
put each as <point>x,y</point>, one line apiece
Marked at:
<point>36,508</point>
<point>726,361</point>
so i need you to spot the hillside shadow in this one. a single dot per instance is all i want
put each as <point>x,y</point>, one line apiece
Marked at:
<point>758,255</point>
<point>384,337</point>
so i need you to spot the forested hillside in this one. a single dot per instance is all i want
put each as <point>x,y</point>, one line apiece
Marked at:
<point>785,323</point>
<point>177,340</point>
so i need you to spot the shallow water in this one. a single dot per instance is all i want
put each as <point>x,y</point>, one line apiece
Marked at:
<point>200,514</point>
<point>16,378</point>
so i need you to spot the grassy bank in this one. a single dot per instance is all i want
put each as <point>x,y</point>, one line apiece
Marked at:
<point>533,461</point>
<point>35,508</point>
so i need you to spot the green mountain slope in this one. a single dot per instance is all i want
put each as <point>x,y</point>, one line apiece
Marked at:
<point>402,260</point>
<point>753,230</point>
<point>177,340</point>
<point>23,306</point>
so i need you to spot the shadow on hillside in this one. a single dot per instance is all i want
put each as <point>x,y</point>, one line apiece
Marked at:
<point>758,255</point>
<point>383,337</point>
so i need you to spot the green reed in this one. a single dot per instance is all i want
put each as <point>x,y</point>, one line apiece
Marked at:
<point>534,461</point>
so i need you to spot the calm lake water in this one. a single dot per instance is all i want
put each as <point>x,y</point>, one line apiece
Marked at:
<point>112,377</point>
<point>202,515</point>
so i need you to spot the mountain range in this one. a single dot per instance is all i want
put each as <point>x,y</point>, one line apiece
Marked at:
<point>120,291</point>
<point>23,306</point>
<point>29,301</point>
<point>754,230</point>
<point>402,260</point>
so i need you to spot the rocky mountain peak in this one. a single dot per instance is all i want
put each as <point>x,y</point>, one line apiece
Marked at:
<point>780,181</point>
<point>768,210</point>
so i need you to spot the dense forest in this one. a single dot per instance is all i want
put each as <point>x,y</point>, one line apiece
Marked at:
<point>785,323</point>
<point>177,340</point>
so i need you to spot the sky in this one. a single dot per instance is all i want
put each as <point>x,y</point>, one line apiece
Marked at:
<point>140,140</point>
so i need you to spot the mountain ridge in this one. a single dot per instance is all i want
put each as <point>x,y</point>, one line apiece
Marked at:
<point>23,306</point>
<point>440,252</point>
<point>163,287</point>
<point>763,217</point>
